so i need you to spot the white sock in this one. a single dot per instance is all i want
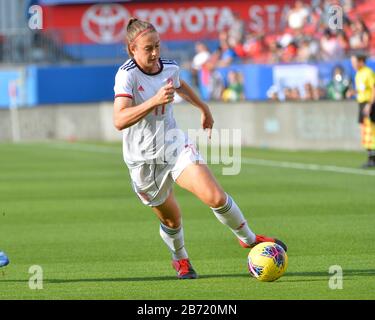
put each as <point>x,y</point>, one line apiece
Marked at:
<point>231,215</point>
<point>174,239</point>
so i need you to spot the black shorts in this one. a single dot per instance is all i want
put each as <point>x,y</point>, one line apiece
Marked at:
<point>360,112</point>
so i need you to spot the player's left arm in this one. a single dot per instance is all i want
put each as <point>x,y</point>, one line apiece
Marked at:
<point>188,94</point>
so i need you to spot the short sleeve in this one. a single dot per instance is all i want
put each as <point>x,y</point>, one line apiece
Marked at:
<point>123,84</point>
<point>176,78</point>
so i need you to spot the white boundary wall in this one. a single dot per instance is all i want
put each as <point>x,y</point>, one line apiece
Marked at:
<point>322,125</point>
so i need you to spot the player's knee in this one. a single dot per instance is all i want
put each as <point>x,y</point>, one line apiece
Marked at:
<point>173,224</point>
<point>217,199</point>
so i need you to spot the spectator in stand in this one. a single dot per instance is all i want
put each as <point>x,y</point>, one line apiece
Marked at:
<point>215,85</point>
<point>256,49</point>
<point>330,47</point>
<point>236,31</point>
<point>295,94</point>
<point>289,53</point>
<point>320,93</point>
<point>339,84</point>
<point>304,52</point>
<point>311,92</point>
<point>307,38</point>
<point>202,57</point>
<point>275,52</point>
<point>235,90</point>
<point>297,16</point>
<point>287,94</point>
<point>308,93</point>
<point>360,38</point>
<point>347,27</point>
<point>291,94</point>
<point>211,78</point>
<point>274,94</point>
<point>249,46</point>
<point>316,16</point>
<point>238,49</point>
<point>227,53</point>
<point>343,41</point>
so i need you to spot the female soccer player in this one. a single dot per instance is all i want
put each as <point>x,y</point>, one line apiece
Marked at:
<point>156,152</point>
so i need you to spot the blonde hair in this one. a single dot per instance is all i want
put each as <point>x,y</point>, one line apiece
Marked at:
<point>134,29</point>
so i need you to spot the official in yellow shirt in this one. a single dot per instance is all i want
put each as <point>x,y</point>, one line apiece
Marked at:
<point>365,90</point>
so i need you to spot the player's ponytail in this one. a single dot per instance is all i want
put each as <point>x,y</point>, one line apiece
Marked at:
<point>134,29</point>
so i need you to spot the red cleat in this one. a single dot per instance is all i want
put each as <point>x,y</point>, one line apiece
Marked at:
<point>184,269</point>
<point>260,238</point>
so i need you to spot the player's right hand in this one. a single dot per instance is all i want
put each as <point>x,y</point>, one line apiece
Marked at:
<point>350,93</point>
<point>165,95</point>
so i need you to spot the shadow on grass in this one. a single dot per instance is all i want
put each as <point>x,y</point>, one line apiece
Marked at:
<point>311,275</point>
<point>131,279</point>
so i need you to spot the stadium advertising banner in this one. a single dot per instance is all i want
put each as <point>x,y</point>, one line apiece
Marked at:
<point>183,20</point>
<point>54,2</point>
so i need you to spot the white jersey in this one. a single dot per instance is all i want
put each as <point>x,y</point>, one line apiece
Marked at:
<point>146,140</point>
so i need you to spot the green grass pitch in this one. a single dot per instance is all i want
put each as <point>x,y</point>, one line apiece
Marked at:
<point>69,208</point>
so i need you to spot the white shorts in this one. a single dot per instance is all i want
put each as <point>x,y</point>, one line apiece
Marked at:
<point>153,182</point>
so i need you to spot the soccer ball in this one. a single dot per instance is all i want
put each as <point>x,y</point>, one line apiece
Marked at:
<point>267,261</point>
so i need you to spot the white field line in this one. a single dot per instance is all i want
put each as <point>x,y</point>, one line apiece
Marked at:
<point>249,161</point>
<point>307,166</point>
<point>86,148</point>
